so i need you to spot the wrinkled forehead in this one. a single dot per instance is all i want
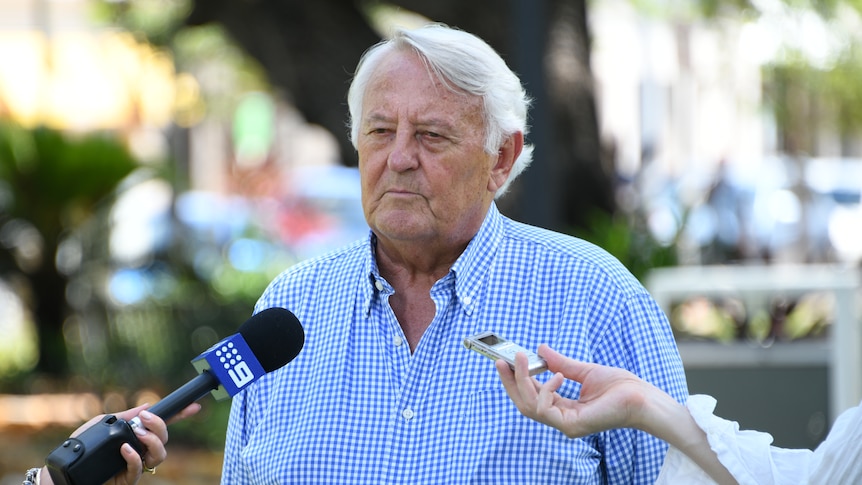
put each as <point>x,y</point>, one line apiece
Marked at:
<point>402,55</point>
<point>405,78</point>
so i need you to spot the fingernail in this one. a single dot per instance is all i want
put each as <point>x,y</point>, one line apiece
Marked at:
<point>127,449</point>
<point>140,430</point>
<point>146,415</point>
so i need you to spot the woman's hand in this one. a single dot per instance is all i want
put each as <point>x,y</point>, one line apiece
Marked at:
<point>610,397</point>
<point>153,435</point>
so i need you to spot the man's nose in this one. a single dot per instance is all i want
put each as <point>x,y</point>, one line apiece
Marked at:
<point>405,152</point>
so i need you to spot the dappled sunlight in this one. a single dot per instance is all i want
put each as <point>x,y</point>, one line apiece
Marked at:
<point>140,219</point>
<point>17,347</point>
<point>43,410</point>
<point>88,81</point>
<point>39,411</point>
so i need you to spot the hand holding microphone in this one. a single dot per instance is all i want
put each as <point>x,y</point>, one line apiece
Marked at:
<point>265,342</point>
<point>153,435</point>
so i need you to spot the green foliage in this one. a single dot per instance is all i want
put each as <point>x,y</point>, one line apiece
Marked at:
<point>802,96</point>
<point>65,187</point>
<point>709,9</point>
<point>633,245</point>
<point>222,68</point>
<point>56,179</point>
<point>840,88</point>
<point>50,182</point>
<point>155,20</point>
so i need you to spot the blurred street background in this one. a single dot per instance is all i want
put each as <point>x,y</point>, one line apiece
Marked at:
<point>162,160</point>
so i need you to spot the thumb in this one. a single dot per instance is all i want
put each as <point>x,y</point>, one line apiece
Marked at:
<point>568,367</point>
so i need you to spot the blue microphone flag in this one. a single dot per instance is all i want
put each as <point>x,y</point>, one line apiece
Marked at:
<point>233,363</point>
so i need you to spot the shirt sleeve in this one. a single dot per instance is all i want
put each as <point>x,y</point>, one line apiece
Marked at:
<point>838,459</point>
<point>639,339</point>
<point>750,457</point>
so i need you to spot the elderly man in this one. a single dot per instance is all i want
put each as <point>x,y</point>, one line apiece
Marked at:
<point>384,391</point>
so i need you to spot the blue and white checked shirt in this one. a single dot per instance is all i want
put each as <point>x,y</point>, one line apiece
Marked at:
<point>356,407</point>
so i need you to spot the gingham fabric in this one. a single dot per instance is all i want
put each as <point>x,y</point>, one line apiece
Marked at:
<point>356,407</point>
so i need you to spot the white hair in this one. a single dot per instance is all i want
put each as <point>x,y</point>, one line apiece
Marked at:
<point>468,63</point>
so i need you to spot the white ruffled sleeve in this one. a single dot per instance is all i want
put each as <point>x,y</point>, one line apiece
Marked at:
<point>750,457</point>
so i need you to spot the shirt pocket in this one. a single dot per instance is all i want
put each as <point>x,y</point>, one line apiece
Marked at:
<point>490,406</point>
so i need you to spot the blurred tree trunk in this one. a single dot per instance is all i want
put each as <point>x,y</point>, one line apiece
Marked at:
<point>49,310</point>
<point>309,49</point>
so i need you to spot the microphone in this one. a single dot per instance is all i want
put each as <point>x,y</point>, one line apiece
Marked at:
<point>265,342</point>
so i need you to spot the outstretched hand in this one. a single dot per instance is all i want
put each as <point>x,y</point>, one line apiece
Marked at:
<point>610,397</point>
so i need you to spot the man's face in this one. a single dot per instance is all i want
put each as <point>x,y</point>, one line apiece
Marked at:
<point>425,175</point>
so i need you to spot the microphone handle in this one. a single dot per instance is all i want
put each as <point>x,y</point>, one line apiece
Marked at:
<point>190,392</point>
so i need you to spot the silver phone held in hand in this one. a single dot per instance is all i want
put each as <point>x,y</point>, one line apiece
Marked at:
<point>496,347</point>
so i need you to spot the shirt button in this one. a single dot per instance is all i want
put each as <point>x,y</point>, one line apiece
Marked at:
<point>397,340</point>
<point>378,285</point>
<point>407,414</point>
<point>467,300</point>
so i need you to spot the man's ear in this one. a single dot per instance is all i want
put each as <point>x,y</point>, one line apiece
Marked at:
<point>506,156</point>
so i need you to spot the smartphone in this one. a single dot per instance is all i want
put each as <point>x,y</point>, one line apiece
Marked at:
<point>496,347</point>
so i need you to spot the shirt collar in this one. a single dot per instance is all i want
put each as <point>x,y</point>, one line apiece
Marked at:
<point>474,263</point>
<point>469,269</point>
